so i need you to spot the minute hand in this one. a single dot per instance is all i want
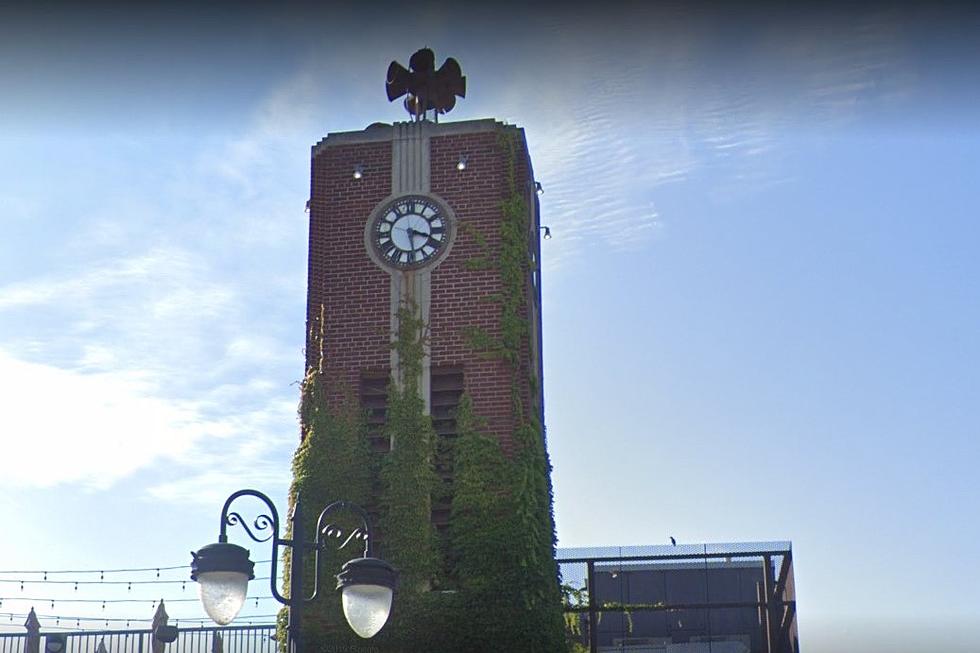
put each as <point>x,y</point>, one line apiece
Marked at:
<point>412,233</point>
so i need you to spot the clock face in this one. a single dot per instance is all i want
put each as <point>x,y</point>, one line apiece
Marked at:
<point>410,231</point>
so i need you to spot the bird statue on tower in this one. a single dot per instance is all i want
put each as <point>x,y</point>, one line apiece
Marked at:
<point>427,89</point>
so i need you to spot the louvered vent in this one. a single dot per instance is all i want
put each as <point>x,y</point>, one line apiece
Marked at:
<point>374,402</point>
<point>446,390</point>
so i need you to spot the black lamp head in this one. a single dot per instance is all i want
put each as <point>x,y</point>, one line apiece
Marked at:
<point>367,571</point>
<point>222,556</point>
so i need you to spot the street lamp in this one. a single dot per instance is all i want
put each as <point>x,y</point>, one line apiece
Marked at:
<point>223,569</point>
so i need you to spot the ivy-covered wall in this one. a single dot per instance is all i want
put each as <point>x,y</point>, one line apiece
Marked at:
<point>502,508</point>
<point>491,583</point>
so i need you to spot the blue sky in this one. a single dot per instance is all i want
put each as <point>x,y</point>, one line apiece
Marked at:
<point>761,298</point>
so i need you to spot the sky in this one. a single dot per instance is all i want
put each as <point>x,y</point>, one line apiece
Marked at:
<point>761,300</point>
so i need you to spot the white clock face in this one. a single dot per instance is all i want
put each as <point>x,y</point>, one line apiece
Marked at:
<point>410,231</point>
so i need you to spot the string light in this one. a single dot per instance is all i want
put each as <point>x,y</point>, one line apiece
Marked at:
<point>101,572</point>
<point>82,586</point>
<point>40,599</point>
<point>76,583</point>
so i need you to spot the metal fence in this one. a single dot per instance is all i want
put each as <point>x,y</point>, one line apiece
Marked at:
<point>705,598</point>
<point>233,639</point>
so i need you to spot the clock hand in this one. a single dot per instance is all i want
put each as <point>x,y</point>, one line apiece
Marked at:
<point>411,235</point>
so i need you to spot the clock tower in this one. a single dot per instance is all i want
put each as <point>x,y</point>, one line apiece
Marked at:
<point>434,226</point>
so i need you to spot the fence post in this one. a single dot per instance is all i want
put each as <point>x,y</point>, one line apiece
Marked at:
<point>760,595</point>
<point>767,584</point>
<point>33,626</point>
<point>593,611</point>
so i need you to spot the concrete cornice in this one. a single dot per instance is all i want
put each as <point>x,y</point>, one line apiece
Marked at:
<point>378,132</point>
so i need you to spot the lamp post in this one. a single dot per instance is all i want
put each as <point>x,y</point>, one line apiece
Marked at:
<point>223,569</point>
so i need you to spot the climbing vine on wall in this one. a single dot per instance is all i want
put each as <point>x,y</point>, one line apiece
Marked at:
<point>408,477</point>
<point>498,558</point>
<point>333,462</point>
<point>503,525</point>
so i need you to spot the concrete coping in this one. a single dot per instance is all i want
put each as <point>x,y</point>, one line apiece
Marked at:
<point>379,132</point>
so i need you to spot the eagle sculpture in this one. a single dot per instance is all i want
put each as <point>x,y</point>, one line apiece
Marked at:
<point>426,88</point>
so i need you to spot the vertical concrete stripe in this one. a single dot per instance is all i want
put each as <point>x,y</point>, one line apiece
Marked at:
<point>410,173</point>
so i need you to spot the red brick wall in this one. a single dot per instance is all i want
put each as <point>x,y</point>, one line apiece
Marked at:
<point>355,291</point>
<point>459,295</point>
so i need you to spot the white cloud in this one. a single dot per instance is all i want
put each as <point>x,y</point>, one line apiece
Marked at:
<point>135,361</point>
<point>62,426</point>
<point>94,429</point>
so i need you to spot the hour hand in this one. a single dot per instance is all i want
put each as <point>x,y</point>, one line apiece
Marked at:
<point>412,233</point>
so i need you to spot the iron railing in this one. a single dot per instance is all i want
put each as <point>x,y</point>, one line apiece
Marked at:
<point>234,639</point>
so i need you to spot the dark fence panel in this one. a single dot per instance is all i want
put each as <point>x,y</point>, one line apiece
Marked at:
<point>706,598</point>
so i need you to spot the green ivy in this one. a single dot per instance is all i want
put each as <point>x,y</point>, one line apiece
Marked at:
<point>492,585</point>
<point>534,509</point>
<point>408,477</point>
<point>332,462</point>
<point>503,525</point>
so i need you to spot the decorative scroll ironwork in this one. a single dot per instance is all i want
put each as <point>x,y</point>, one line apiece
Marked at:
<point>332,530</point>
<point>325,530</point>
<point>261,523</point>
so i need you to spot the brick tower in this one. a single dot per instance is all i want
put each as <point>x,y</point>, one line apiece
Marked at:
<point>354,291</point>
<point>438,222</point>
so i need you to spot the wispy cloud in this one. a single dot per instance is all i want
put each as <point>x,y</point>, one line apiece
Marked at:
<point>177,354</point>
<point>672,100</point>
